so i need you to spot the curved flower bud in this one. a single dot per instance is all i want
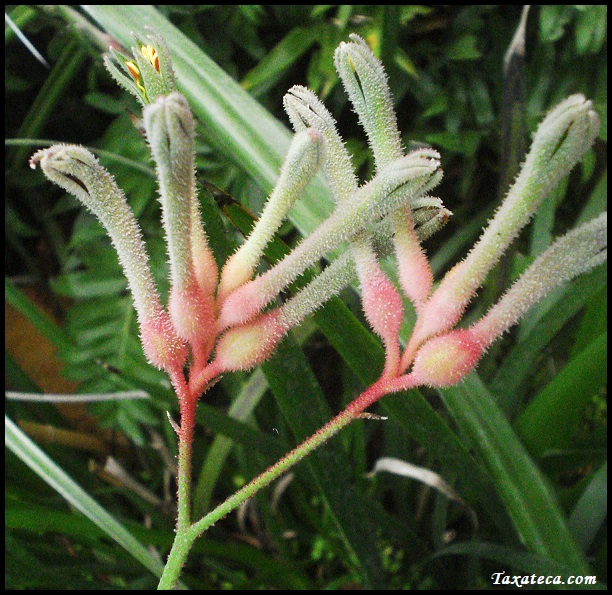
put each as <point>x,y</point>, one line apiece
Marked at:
<point>76,170</point>
<point>170,130</point>
<point>148,73</point>
<point>301,164</point>
<point>575,253</point>
<point>305,110</point>
<point>365,81</point>
<point>559,143</point>
<point>411,175</point>
<point>342,271</point>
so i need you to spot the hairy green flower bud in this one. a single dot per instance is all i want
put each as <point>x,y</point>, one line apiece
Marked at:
<point>170,130</point>
<point>575,253</point>
<point>559,143</point>
<point>365,81</point>
<point>76,170</point>
<point>302,161</point>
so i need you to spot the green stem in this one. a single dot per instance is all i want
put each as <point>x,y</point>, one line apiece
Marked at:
<point>185,538</point>
<point>181,545</point>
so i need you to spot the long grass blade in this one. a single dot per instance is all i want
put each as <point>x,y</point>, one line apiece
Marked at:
<point>45,468</point>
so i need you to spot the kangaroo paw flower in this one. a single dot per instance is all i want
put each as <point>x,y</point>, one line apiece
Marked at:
<point>302,161</point>
<point>365,81</point>
<point>170,130</point>
<point>76,170</point>
<point>559,143</point>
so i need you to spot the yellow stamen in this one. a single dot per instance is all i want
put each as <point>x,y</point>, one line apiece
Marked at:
<point>133,70</point>
<point>149,52</point>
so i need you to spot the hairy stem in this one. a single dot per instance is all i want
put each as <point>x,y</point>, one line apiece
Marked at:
<point>181,545</point>
<point>186,537</point>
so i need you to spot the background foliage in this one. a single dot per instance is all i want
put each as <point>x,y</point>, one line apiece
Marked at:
<point>527,430</point>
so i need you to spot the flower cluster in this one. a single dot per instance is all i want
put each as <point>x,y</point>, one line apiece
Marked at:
<point>229,320</point>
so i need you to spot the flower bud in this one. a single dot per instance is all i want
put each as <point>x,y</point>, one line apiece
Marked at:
<point>446,359</point>
<point>245,347</point>
<point>559,143</point>
<point>305,110</point>
<point>411,175</point>
<point>571,255</point>
<point>365,81</point>
<point>301,164</point>
<point>415,275</point>
<point>76,170</point>
<point>170,130</point>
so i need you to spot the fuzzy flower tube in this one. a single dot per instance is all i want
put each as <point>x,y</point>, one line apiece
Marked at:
<point>216,323</point>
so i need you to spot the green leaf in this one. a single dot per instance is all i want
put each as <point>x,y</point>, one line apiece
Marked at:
<point>44,467</point>
<point>281,57</point>
<point>591,28</point>
<point>464,48</point>
<point>525,493</point>
<point>590,512</point>
<point>302,402</point>
<point>550,419</point>
<point>553,20</point>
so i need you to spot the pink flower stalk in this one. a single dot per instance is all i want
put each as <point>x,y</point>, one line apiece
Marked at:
<point>415,275</point>
<point>381,302</point>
